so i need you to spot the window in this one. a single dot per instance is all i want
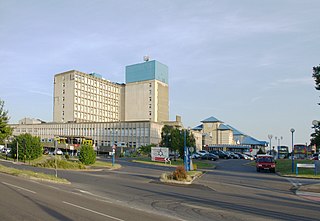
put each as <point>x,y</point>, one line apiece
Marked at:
<point>149,98</point>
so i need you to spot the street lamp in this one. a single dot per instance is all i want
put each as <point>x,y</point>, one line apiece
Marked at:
<point>270,137</point>
<point>186,158</point>
<point>292,153</point>
<point>278,138</point>
<point>185,150</point>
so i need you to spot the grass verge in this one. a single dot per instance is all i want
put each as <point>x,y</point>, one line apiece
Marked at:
<point>178,162</point>
<point>106,164</point>
<point>32,175</point>
<point>284,167</point>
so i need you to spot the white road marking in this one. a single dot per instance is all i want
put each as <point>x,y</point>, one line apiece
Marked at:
<point>294,182</point>
<point>97,196</point>
<point>18,187</point>
<point>101,214</point>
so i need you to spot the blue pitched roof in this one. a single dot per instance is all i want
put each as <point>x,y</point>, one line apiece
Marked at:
<point>199,127</point>
<point>223,127</point>
<point>252,141</point>
<point>235,131</point>
<point>210,120</point>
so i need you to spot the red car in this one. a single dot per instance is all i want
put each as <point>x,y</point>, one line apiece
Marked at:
<point>265,162</point>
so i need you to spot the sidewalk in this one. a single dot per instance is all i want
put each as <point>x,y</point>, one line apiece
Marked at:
<point>313,188</point>
<point>311,192</point>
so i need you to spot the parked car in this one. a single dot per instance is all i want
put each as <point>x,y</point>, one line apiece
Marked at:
<point>265,162</point>
<point>202,152</point>
<point>195,156</point>
<point>249,157</point>
<point>58,152</point>
<point>315,156</point>
<point>210,156</point>
<point>234,156</point>
<point>221,154</point>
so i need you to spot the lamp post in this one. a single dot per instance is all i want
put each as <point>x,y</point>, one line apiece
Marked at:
<point>185,150</point>
<point>292,153</point>
<point>315,124</point>
<point>278,138</point>
<point>270,137</point>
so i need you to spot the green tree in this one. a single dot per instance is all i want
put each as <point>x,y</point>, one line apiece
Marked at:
<point>29,147</point>
<point>146,150</point>
<point>87,154</point>
<point>5,129</point>
<point>174,139</point>
<point>315,137</point>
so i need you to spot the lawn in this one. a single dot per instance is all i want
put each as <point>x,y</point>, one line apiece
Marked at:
<point>284,167</point>
<point>32,175</point>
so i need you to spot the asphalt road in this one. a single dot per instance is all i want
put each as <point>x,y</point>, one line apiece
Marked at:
<point>232,191</point>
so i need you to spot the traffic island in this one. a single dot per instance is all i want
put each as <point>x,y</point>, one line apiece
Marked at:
<point>180,176</point>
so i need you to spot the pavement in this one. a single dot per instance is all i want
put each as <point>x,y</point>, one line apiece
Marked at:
<point>311,192</point>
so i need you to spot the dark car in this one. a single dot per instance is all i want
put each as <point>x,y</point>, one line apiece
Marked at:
<point>223,155</point>
<point>234,156</point>
<point>210,156</point>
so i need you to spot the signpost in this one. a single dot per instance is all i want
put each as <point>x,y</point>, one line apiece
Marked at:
<point>160,154</point>
<point>113,153</point>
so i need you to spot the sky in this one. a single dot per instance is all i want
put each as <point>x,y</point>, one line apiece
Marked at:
<point>246,62</point>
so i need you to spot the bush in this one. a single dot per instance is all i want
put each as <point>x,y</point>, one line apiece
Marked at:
<point>179,174</point>
<point>30,147</point>
<point>67,156</point>
<point>87,154</point>
<point>63,164</point>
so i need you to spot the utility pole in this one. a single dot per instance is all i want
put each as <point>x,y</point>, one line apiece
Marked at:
<point>55,157</point>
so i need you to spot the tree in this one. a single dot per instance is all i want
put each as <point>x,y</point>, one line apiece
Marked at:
<point>174,139</point>
<point>87,154</point>
<point>5,129</point>
<point>146,150</point>
<point>315,137</point>
<point>29,147</point>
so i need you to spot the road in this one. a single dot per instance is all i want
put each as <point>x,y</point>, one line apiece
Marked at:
<point>232,191</point>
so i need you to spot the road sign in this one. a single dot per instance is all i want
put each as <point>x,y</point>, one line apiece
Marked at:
<point>159,154</point>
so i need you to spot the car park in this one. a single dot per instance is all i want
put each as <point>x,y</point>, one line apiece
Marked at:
<point>210,156</point>
<point>265,162</point>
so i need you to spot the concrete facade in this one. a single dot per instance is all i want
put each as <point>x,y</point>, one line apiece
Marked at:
<point>103,134</point>
<point>81,97</point>
<point>147,92</point>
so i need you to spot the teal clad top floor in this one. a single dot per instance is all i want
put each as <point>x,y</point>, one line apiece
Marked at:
<point>149,70</point>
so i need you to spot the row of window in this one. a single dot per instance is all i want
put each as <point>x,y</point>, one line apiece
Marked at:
<point>105,93</point>
<point>95,103</point>
<point>90,131</point>
<point>94,85</point>
<point>92,117</point>
<point>103,110</point>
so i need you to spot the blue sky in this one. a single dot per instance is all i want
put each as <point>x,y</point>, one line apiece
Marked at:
<point>247,63</point>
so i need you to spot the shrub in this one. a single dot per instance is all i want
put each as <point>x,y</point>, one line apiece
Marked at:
<point>87,154</point>
<point>179,174</point>
<point>67,156</point>
<point>29,147</point>
<point>51,163</point>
